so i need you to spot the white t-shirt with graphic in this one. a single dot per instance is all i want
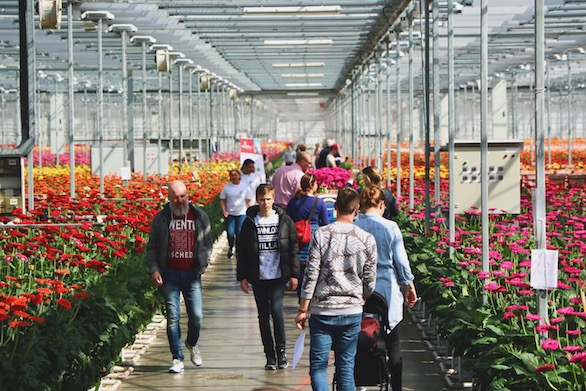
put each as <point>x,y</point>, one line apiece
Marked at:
<point>235,196</point>
<point>267,229</point>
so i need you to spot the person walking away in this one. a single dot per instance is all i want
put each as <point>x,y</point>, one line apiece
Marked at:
<point>178,253</point>
<point>267,259</point>
<point>322,159</point>
<point>234,200</point>
<point>286,179</point>
<point>340,275</point>
<point>392,271</point>
<point>289,155</point>
<point>249,176</point>
<point>373,177</point>
<point>316,151</point>
<point>332,155</point>
<point>300,208</point>
<point>269,169</point>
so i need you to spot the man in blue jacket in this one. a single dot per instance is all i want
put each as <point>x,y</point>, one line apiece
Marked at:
<point>178,252</point>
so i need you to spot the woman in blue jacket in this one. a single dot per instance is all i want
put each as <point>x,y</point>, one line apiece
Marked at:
<point>392,272</point>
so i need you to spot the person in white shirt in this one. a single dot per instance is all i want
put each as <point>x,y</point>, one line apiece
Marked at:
<point>234,199</point>
<point>250,177</point>
<point>331,157</point>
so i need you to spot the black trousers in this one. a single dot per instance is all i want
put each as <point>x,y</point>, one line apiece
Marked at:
<point>395,364</point>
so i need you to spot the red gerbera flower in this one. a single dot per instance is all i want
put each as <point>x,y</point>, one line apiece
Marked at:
<point>64,303</point>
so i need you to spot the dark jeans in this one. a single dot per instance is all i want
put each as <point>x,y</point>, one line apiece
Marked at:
<point>269,302</point>
<point>393,342</point>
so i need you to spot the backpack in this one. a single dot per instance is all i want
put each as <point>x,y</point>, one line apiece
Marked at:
<point>303,228</point>
<point>370,337</point>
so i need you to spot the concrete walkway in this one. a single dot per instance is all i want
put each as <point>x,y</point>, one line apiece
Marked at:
<point>231,348</point>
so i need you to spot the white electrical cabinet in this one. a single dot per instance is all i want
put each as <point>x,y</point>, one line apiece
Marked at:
<point>113,156</point>
<point>11,184</point>
<point>504,176</point>
<point>154,159</point>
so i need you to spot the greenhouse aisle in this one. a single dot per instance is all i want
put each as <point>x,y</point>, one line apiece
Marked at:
<point>232,352</point>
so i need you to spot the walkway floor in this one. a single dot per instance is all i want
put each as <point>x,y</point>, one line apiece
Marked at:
<point>233,357</point>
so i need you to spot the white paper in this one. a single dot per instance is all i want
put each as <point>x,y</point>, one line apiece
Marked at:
<point>544,269</point>
<point>125,173</point>
<point>298,349</point>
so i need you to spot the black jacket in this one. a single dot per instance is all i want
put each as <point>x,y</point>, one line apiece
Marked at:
<point>391,209</point>
<point>159,240</point>
<point>247,247</point>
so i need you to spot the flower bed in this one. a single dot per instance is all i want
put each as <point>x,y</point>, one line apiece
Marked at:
<point>505,343</point>
<point>71,297</point>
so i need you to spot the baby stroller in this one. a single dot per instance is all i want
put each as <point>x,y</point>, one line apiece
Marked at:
<point>370,367</point>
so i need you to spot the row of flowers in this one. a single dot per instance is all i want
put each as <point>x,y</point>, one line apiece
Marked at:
<point>506,343</point>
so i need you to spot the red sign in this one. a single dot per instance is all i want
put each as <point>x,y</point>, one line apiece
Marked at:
<point>246,145</point>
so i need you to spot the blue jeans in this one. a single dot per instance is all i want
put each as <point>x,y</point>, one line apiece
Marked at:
<point>341,333</point>
<point>188,283</point>
<point>233,225</point>
<point>269,302</point>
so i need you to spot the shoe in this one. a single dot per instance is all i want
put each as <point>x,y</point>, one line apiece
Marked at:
<point>271,364</point>
<point>282,362</point>
<point>195,355</point>
<point>177,366</point>
<point>230,253</point>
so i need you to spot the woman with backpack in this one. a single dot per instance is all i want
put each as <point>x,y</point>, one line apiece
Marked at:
<point>305,205</point>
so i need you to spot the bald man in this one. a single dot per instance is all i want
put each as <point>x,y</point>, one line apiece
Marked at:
<point>178,252</point>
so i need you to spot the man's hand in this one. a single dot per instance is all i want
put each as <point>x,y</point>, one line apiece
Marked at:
<point>293,284</point>
<point>157,278</point>
<point>300,320</point>
<point>244,286</point>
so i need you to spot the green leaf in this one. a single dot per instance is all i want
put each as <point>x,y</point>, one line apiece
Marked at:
<point>484,341</point>
<point>495,329</point>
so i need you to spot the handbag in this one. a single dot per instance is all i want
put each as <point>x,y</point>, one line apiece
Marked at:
<point>303,228</point>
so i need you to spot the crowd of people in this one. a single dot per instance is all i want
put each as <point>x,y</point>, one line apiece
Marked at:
<point>345,261</point>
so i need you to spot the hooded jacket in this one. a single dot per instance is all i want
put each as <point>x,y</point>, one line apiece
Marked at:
<point>247,247</point>
<point>159,240</point>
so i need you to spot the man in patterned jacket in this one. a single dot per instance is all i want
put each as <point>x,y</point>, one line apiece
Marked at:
<point>340,275</point>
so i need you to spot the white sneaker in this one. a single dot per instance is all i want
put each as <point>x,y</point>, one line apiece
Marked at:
<point>177,366</point>
<point>195,354</point>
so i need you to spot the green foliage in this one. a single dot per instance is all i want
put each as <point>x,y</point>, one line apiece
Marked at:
<point>75,356</point>
<point>216,218</point>
<point>502,355</point>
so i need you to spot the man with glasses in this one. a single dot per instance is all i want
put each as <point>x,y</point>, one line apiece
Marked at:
<point>286,179</point>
